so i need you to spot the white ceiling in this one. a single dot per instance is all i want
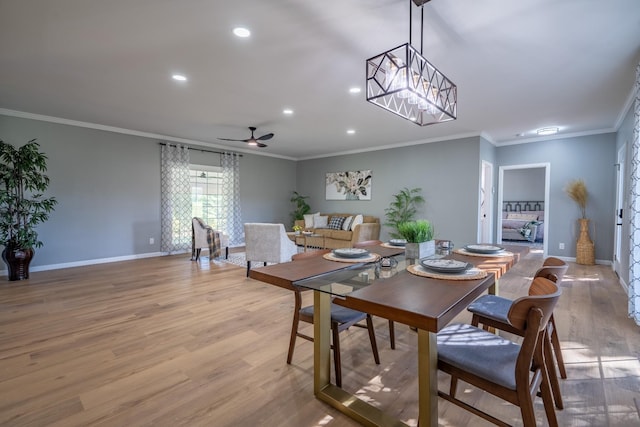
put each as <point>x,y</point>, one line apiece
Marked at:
<point>519,65</point>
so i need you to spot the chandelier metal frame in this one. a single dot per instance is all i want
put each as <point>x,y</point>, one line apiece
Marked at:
<point>402,81</point>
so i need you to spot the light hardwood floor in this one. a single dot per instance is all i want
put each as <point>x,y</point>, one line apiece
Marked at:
<point>170,342</point>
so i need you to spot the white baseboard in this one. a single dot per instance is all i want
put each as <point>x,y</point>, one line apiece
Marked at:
<point>91,262</point>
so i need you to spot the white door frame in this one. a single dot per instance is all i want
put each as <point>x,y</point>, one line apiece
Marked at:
<point>547,176</point>
<point>617,233</point>
<point>485,203</point>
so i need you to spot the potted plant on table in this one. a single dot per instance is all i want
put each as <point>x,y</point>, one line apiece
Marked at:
<point>22,205</point>
<point>419,237</point>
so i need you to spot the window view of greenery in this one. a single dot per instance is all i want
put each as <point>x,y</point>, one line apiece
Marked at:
<point>206,186</point>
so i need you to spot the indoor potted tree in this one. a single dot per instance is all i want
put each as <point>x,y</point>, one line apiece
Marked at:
<point>403,208</point>
<point>22,205</point>
<point>302,207</point>
<point>419,237</point>
<point>585,248</point>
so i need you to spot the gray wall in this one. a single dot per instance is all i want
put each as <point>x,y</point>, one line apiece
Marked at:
<point>108,190</point>
<point>523,184</point>
<point>447,172</point>
<point>108,187</point>
<point>588,157</point>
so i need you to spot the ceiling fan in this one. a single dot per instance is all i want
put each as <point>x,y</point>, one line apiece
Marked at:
<point>253,140</point>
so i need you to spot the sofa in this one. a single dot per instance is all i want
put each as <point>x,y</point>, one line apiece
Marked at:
<point>338,230</point>
<point>523,226</point>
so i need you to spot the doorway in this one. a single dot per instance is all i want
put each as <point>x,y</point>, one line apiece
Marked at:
<point>524,189</point>
<point>617,244</point>
<point>485,226</point>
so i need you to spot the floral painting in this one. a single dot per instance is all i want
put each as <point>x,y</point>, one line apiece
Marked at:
<point>352,185</point>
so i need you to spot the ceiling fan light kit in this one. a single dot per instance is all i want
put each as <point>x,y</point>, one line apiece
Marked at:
<point>403,82</point>
<point>252,141</point>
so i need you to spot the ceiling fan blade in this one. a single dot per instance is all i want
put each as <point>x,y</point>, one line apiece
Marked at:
<point>261,145</point>
<point>227,139</point>
<point>265,137</point>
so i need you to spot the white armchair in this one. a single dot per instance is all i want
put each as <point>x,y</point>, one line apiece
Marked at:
<point>267,243</point>
<point>204,236</point>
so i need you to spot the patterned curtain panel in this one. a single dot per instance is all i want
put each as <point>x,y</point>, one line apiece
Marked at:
<point>634,256</point>
<point>175,199</point>
<point>231,213</point>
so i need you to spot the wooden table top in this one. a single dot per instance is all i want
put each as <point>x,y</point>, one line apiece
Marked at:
<point>286,273</point>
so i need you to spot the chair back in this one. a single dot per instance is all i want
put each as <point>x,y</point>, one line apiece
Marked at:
<point>553,273</point>
<point>545,299</point>
<point>200,230</point>
<point>553,261</point>
<point>265,242</point>
<point>366,243</point>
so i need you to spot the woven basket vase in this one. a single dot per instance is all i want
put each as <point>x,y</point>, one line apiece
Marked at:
<point>585,250</point>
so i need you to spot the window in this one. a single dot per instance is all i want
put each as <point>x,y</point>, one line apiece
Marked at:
<point>206,190</point>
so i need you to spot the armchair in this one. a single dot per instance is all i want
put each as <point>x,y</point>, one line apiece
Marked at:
<point>204,236</point>
<point>267,243</point>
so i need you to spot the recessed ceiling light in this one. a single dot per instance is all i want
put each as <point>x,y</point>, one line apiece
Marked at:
<point>355,90</point>
<point>547,131</point>
<point>351,131</point>
<point>179,77</point>
<point>287,111</point>
<point>241,32</point>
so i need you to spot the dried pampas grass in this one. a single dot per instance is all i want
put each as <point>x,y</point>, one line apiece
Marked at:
<point>577,190</point>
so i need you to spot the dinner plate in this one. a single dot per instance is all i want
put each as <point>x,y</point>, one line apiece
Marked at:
<point>484,249</point>
<point>445,265</point>
<point>398,242</point>
<point>351,252</point>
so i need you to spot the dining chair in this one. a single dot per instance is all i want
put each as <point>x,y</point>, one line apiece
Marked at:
<point>204,236</point>
<point>266,242</point>
<point>342,318</point>
<point>491,311</point>
<point>510,371</point>
<point>392,328</point>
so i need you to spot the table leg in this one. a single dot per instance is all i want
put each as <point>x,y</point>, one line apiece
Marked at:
<point>427,379</point>
<point>321,340</point>
<point>495,288</point>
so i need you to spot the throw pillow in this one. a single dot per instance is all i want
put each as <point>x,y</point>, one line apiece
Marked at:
<point>308,221</point>
<point>526,217</point>
<point>346,225</point>
<point>320,221</point>
<point>357,220</point>
<point>336,222</point>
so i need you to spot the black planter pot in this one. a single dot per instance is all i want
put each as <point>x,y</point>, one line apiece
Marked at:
<point>17,261</point>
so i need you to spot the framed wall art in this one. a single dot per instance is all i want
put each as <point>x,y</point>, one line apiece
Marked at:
<point>351,185</point>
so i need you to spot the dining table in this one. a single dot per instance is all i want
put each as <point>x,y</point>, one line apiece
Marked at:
<point>427,304</point>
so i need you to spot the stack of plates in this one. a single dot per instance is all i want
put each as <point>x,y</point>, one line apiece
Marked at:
<point>351,253</point>
<point>398,242</point>
<point>447,266</point>
<point>484,249</point>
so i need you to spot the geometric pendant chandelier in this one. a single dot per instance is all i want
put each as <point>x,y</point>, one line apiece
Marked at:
<point>403,82</point>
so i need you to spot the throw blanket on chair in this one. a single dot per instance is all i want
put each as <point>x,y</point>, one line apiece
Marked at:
<point>213,239</point>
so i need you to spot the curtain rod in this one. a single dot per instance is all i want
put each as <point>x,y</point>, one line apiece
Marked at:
<point>201,149</point>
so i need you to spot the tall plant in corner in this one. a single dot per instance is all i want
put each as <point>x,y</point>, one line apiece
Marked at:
<point>22,204</point>
<point>302,207</point>
<point>403,209</point>
<point>585,247</point>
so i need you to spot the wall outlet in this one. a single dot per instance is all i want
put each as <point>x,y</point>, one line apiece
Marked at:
<point>561,246</point>
<point>151,240</point>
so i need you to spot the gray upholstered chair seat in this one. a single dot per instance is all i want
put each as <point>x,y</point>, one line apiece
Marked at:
<point>493,307</point>
<point>480,352</point>
<point>338,314</point>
